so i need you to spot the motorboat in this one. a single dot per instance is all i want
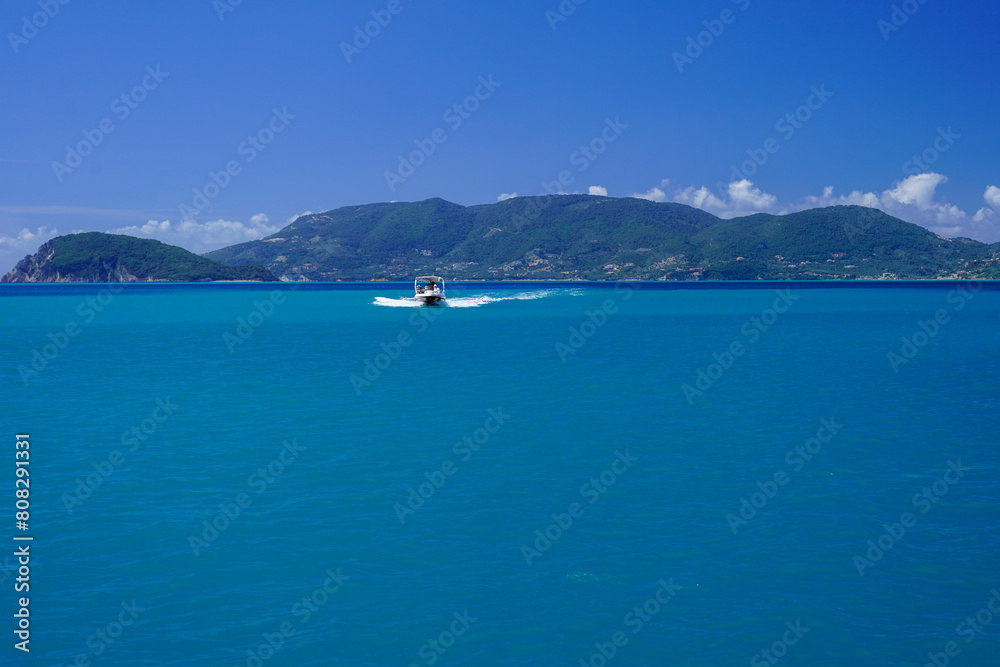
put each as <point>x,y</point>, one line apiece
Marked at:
<point>429,290</point>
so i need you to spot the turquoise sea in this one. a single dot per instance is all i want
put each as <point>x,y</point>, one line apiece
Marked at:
<point>540,474</point>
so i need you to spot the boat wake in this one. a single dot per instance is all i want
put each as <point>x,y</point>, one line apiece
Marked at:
<point>476,300</point>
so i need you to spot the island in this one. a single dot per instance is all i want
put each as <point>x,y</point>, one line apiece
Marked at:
<point>96,257</point>
<point>551,237</point>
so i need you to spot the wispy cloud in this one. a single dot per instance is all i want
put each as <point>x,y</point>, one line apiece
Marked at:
<point>595,190</point>
<point>202,237</point>
<point>296,217</point>
<point>198,237</point>
<point>742,198</point>
<point>27,239</point>
<point>26,242</point>
<point>914,199</point>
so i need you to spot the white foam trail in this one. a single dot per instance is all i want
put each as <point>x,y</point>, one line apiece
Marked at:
<point>477,300</point>
<point>469,301</point>
<point>483,299</point>
<point>395,303</point>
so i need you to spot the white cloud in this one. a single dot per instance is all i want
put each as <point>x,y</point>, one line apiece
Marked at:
<point>741,198</point>
<point>27,239</point>
<point>598,191</point>
<point>654,194</point>
<point>916,190</point>
<point>992,197</point>
<point>14,248</point>
<point>856,198</point>
<point>202,237</point>
<point>189,234</point>
<point>914,199</point>
<point>989,216</point>
<point>744,196</point>
<point>292,219</point>
<point>505,196</point>
<point>702,198</point>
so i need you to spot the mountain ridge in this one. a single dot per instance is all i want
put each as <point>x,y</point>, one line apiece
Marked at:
<point>549,237</point>
<point>585,237</point>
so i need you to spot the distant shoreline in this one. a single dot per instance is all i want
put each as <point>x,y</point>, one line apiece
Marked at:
<point>10,289</point>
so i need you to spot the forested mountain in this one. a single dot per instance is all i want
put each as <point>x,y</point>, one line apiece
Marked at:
<point>572,237</point>
<point>98,257</point>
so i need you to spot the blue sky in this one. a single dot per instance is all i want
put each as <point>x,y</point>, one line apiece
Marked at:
<point>265,90</point>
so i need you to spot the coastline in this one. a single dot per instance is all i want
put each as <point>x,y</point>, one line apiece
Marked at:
<point>18,289</point>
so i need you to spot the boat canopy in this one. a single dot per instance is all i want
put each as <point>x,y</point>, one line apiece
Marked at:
<point>437,280</point>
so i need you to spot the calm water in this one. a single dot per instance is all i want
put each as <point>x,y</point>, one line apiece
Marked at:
<point>376,474</point>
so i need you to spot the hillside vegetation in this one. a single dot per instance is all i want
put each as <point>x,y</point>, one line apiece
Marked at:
<point>582,237</point>
<point>98,257</point>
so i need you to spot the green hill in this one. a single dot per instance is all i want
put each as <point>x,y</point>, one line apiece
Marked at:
<point>98,257</point>
<point>581,237</point>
